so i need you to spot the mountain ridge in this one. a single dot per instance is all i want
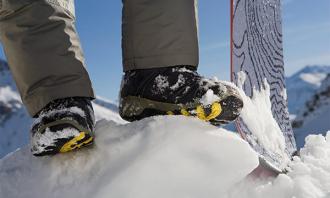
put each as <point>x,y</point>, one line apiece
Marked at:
<point>314,115</point>
<point>302,85</point>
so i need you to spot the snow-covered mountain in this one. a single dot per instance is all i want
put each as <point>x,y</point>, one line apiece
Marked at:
<point>314,116</point>
<point>15,121</point>
<point>303,85</point>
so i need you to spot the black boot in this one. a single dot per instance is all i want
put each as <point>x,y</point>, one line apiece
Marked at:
<point>63,125</point>
<point>177,90</point>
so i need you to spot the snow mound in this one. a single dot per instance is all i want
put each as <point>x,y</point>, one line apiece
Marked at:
<point>168,156</point>
<point>308,177</point>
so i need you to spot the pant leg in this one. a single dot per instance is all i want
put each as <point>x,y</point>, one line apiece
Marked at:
<point>159,33</point>
<point>43,51</point>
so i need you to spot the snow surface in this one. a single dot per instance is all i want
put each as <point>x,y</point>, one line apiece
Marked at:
<point>155,157</point>
<point>308,177</point>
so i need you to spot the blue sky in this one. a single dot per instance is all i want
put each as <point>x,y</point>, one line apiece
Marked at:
<point>306,30</point>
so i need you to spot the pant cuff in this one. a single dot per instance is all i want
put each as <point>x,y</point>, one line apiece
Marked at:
<point>160,61</point>
<point>40,99</point>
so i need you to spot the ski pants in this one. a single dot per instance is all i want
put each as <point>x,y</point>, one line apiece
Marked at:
<point>46,59</point>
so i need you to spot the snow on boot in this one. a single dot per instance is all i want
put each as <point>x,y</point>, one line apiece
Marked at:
<point>178,90</point>
<point>63,125</point>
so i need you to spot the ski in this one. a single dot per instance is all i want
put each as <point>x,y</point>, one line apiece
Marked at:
<point>257,51</point>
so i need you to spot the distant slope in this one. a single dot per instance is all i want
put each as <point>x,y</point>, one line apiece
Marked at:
<point>15,121</point>
<point>315,114</point>
<point>106,109</point>
<point>303,85</point>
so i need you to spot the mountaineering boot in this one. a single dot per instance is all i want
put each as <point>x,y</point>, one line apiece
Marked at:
<point>63,125</point>
<point>178,90</point>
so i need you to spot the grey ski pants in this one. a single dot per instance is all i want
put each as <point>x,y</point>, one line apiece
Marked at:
<point>44,53</point>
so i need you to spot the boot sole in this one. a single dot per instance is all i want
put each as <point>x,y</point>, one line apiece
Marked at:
<point>74,143</point>
<point>135,108</point>
<point>83,139</point>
